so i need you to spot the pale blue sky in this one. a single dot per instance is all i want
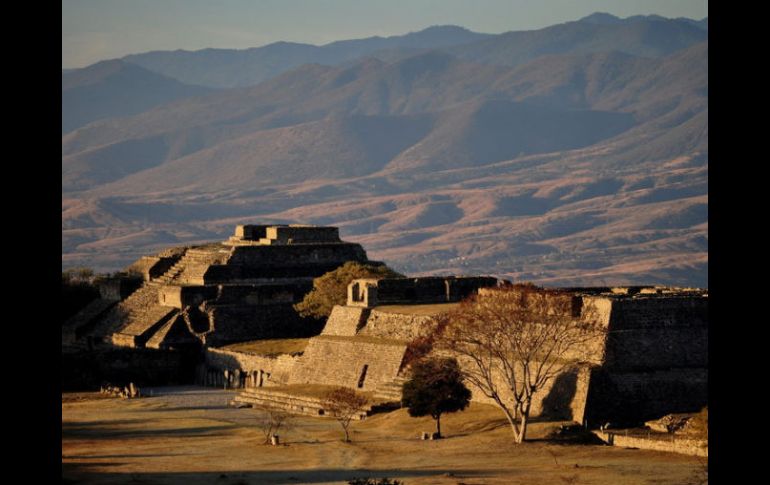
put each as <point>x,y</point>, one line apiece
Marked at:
<point>94,30</point>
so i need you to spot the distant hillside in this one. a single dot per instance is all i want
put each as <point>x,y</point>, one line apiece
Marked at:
<point>113,89</point>
<point>603,18</point>
<point>639,36</point>
<point>467,118</point>
<point>586,163</point>
<point>649,36</point>
<point>229,68</point>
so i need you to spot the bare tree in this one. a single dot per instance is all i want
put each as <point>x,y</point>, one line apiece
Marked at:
<point>512,341</point>
<point>270,421</point>
<point>344,404</point>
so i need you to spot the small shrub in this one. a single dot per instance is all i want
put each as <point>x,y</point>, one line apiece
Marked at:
<point>374,481</point>
<point>344,405</point>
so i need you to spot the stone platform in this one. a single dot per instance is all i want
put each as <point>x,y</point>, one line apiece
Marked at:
<point>306,399</point>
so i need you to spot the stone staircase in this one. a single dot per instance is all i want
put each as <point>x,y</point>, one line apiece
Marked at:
<point>79,323</point>
<point>133,320</point>
<point>345,320</point>
<point>287,399</point>
<point>390,391</point>
<point>191,268</point>
<point>172,273</point>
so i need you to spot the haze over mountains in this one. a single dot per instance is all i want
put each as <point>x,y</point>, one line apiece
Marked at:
<point>574,154</point>
<point>115,88</point>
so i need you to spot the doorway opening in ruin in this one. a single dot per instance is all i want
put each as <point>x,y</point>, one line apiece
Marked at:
<point>363,376</point>
<point>356,290</point>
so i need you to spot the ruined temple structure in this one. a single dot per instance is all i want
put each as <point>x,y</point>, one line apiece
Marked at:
<point>240,289</point>
<point>652,361</point>
<point>362,345</point>
<point>194,311</point>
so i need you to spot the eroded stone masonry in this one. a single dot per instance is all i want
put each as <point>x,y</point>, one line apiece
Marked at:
<point>652,361</point>
<point>214,294</point>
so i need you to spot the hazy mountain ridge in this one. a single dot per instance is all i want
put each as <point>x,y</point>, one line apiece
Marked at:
<point>574,168</point>
<point>650,36</point>
<point>113,89</point>
<point>429,83</point>
<point>644,37</point>
<point>227,68</point>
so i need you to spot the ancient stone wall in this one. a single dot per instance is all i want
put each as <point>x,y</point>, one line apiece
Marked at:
<point>342,361</point>
<point>296,256</point>
<point>295,263</point>
<point>567,304</point>
<point>656,359</point>
<point>345,320</point>
<point>250,231</point>
<point>424,289</point>
<point>211,283</point>
<point>83,321</point>
<point>119,288</point>
<point>239,323</point>
<point>302,234</point>
<point>144,367</point>
<point>561,398</point>
<point>362,293</point>
<point>396,325</point>
<point>182,296</point>
<point>658,333</point>
<point>637,396</point>
<point>285,293</point>
<point>275,370</point>
<point>670,443</point>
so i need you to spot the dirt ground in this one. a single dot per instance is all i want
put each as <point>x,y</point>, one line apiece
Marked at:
<point>190,436</point>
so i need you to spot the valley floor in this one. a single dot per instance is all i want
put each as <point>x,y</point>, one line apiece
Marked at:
<point>188,435</point>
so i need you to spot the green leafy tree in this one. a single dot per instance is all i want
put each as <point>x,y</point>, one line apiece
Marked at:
<point>436,387</point>
<point>331,289</point>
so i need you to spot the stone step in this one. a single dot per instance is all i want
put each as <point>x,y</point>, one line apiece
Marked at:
<point>142,322</point>
<point>85,317</point>
<point>135,316</point>
<point>283,403</point>
<point>273,398</point>
<point>394,398</point>
<point>391,390</point>
<point>394,391</point>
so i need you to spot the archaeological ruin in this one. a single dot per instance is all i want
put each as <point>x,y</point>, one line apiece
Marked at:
<point>240,289</point>
<point>228,307</point>
<point>652,359</point>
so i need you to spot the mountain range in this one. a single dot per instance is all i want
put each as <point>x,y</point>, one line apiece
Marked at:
<point>574,154</point>
<point>115,88</point>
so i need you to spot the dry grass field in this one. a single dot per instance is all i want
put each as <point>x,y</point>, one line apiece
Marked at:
<point>270,348</point>
<point>189,436</point>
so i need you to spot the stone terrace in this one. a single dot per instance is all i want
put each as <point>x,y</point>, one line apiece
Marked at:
<point>240,289</point>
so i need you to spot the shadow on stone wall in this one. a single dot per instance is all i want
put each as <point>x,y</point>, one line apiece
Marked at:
<point>87,370</point>
<point>556,405</point>
<point>629,399</point>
